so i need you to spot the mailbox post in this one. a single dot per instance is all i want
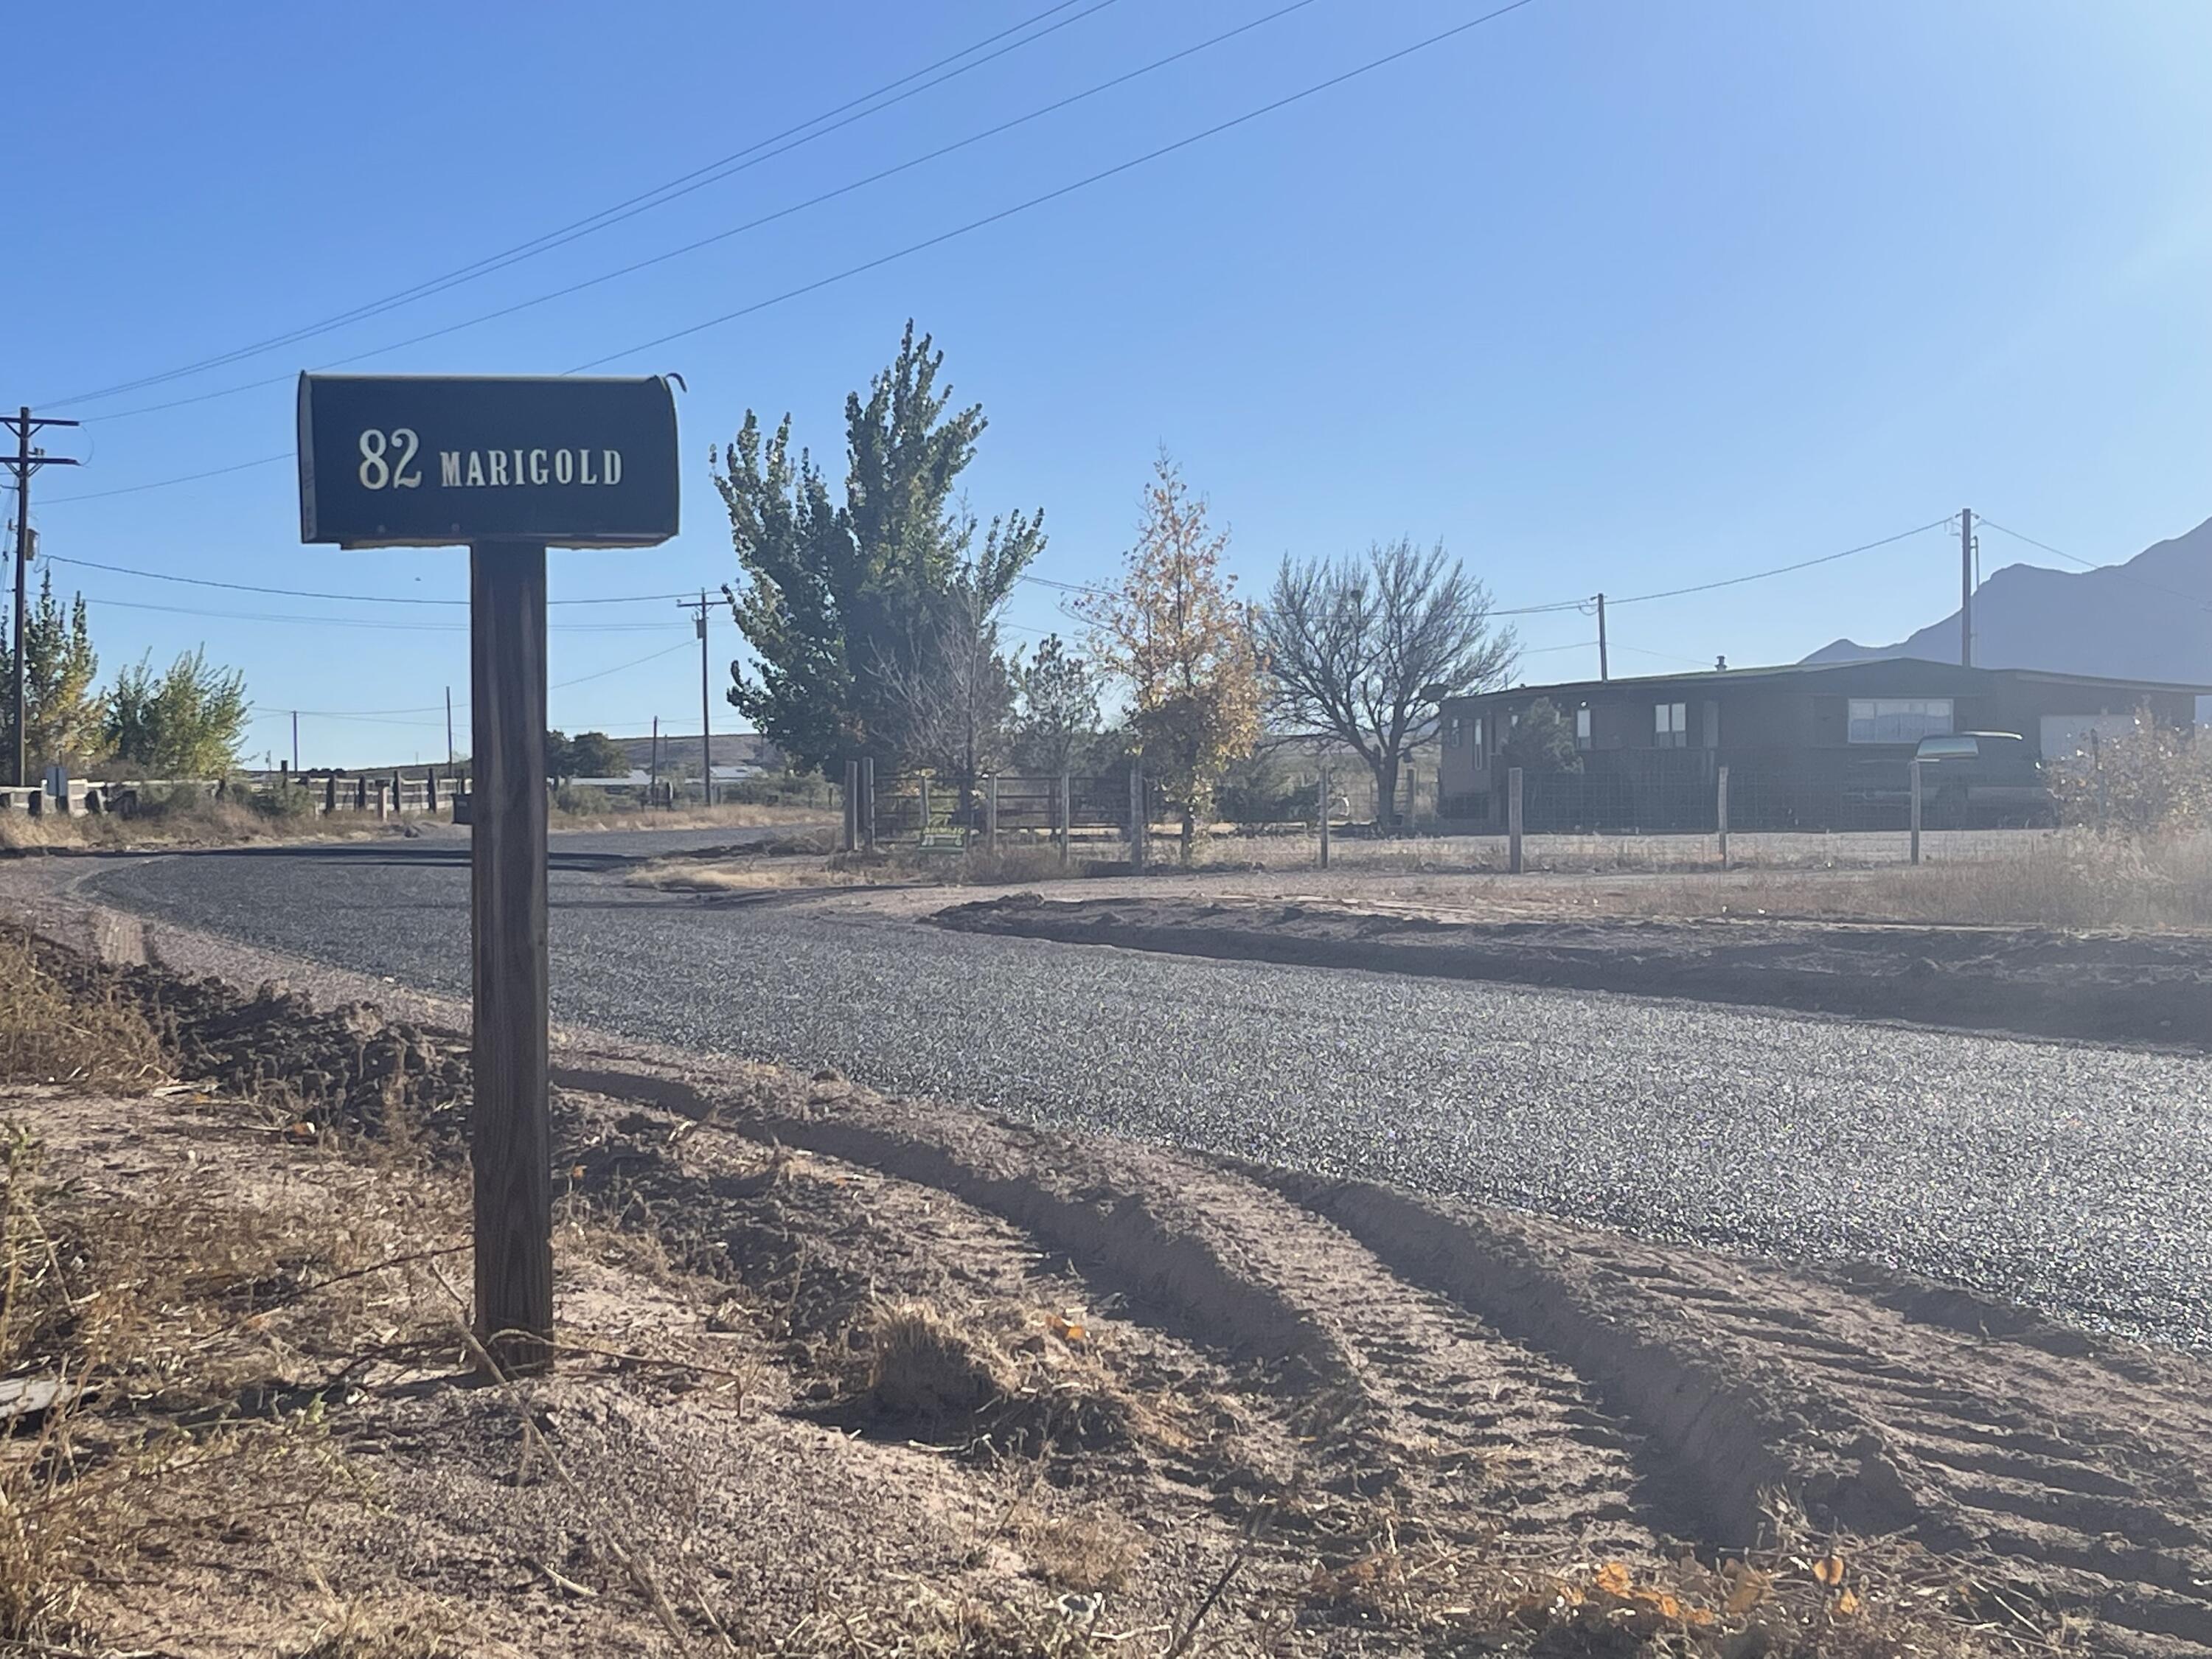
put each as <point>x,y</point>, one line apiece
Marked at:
<point>505,467</point>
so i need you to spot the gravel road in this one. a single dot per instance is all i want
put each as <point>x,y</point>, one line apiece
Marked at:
<point>2076,1179</point>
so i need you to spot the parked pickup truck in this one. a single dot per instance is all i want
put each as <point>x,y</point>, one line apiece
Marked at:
<point>1977,779</point>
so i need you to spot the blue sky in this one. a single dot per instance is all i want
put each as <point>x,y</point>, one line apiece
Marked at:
<point>1605,295</point>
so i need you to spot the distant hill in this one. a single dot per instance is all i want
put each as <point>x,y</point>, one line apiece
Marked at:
<point>2150,619</point>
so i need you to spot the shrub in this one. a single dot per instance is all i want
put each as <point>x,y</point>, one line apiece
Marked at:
<point>2151,779</point>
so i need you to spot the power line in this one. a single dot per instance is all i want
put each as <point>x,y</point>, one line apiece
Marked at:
<point>1782,569</point>
<point>2120,571</point>
<point>973,225</point>
<point>308,593</point>
<point>682,184</point>
<point>379,623</point>
<point>1054,195</point>
<point>165,484</point>
<point>694,246</point>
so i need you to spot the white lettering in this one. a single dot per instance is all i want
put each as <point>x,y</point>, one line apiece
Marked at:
<point>518,466</point>
<point>476,470</point>
<point>449,468</point>
<point>401,477</point>
<point>564,466</point>
<point>611,464</point>
<point>498,468</point>
<point>584,467</point>
<point>538,466</point>
<point>374,472</point>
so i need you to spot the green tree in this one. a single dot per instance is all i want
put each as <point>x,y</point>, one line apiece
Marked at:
<point>596,755</point>
<point>1174,633</point>
<point>1056,725</point>
<point>185,722</point>
<point>845,603</point>
<point>1541,740</point>
<point>61,713</point>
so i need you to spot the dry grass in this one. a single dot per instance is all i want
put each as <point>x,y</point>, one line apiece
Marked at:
<point>191,1345</point>
<point>737,815</point>
<point>2073,879</point>
<point>46,1035</point>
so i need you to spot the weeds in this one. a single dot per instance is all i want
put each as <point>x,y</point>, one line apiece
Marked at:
<point>47,1035</point>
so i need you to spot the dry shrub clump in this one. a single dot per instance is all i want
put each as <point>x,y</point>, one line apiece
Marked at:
<point>1841,1599</point>
<point>49,1034</point>
<point>167,1361</point>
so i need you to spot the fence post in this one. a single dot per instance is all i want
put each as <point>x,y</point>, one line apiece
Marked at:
<point>1720,813</point>
<point>868,798</point>
<point>1324,817</point>
<point>851,806</point>
<point>329,794</point>
<point>991,815</point>
<point>398,800</point>
<point>1915,765</point>
<point>1137,817</point>
<point>1513,820</point>
<point>430,790</point>
<point>925,805</point>
<point>1067,821</point>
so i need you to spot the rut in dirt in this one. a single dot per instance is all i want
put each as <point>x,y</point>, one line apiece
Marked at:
<point>2033,1448</point>
<point>1393,1396</point>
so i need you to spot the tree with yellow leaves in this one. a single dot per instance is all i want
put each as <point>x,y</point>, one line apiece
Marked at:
<point>1174,634</point>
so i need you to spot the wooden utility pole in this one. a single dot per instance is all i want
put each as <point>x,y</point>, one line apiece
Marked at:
<point>510,1139</point>
<point>1137,816</point>
<point>1604,670</point>
<point>706,732</point>
<point>1965,587</point>
<point>23,463</point>
<point>295,739</point>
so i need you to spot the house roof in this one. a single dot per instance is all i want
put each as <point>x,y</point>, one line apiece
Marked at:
<point>1918,671</point>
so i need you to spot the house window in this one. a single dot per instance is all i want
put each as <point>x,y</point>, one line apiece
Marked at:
<point>1898,719</point>
<point>1670,724</point>
<point>1455,731</point>
<point>1474,735</point>
<point>1583,727</point>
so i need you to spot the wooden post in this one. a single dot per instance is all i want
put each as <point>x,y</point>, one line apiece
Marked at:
<point>430,790</point>
<point>1067,821</point>
<point>361,793</point>
<point>1915,766</point>
<point>925,806</point>
<point>1324,817</point>
<point>1720,813</point>
<point>1513,820</point>
<point>1137,816</point>
<point>329,794</point>
<point>991,815</point>
<point>868,799</point>
<point>510,1139</point>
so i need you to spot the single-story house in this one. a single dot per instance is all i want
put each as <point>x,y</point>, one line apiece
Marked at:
<point>1816,746</point>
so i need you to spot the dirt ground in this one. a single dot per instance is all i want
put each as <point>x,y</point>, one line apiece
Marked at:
<point>2102,987</point>
<point>843,1374</point>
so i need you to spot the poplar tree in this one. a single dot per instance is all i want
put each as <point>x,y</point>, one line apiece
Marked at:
<point>846,603</point>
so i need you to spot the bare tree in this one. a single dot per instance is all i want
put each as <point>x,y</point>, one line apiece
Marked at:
<point>950,693</point>
<point>1362,649</point>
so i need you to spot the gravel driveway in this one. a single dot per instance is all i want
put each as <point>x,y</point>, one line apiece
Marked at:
<point>2074,1178</point>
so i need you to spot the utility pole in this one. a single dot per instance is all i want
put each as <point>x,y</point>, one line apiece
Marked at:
<point>653,788</point>
<point>24,461</point>
<point>1965,587</point>
<point>1604,671</point>
<point>296,742</point>
<point>706,734</point>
